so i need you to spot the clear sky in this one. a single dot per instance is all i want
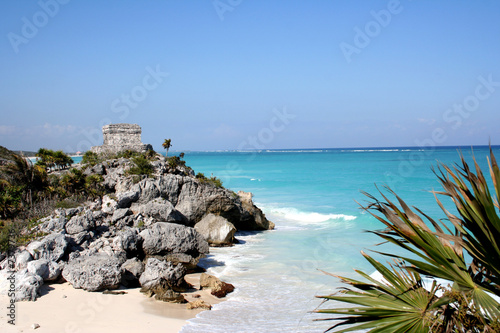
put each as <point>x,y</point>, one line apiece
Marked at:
<point>229,74</point>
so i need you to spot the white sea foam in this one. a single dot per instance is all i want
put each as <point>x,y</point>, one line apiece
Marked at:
<point>294,214</point>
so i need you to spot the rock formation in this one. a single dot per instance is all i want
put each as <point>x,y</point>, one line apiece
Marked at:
<point>142,233</point>
<point>119,137</point>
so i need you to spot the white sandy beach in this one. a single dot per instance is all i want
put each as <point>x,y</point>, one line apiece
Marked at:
<point>65,309</point>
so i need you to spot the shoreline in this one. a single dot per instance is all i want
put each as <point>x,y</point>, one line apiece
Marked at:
<point>61,308</point>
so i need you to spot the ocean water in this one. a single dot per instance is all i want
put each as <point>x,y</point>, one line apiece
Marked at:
<point>313,197</point>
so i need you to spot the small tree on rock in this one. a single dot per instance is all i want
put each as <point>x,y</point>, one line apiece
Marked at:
<point>167,144</point>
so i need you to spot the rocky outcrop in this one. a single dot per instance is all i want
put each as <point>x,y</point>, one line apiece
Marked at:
<point>94,272</point>
<point>217,287</point>
<point>80,223</point>
<point>22,259</point>
<point>198,304</point>
<point>119,137</point>
<point>148,232</point>
<point>132,271</point>
<point>158,210</point>
<point>216,230</point>
<point>254,218</point>
<point>163,280</point>
<point>48,270</point>
<point>26,285</point>
<point>174,242</point>
<point>52,247</point>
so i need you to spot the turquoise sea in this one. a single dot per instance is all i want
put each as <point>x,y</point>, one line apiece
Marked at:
<point>311,195</point>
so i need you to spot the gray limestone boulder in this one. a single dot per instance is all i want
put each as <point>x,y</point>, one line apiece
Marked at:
<point>197,199</point>
<point>170,187</point>
<point>93,273</point>
<point>108,204</point>
<point>119,214</point>
<point>132,271</point>
<point>48,270</point>
<point>24,285</point>
<point>50,224</point>
<point>147,189</point>
<point>160,210</point>
<point>125,199</point>
<point>128,240</point>
<point>52,247</point>
<point>217,230</point>
<point>82,222</point>
<point>22,259</point>
<point>164,280</point>
<point>253,218</point>
<point>174,242</point>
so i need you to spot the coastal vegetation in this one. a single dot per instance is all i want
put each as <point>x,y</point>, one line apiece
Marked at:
<point>212,180</point>
<point>109,230</point>
<point>53,160</point>
<point>166,145</point>
<point>447,277</point>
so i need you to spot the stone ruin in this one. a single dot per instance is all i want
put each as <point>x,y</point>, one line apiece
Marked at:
<point>120,137</point>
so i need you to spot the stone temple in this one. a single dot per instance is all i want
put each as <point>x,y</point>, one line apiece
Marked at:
<point>120,137</point>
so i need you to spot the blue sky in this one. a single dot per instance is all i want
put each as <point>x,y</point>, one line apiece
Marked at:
<point>234,74</point>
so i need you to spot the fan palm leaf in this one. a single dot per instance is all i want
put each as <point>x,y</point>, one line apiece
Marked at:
<point>466,253</point>
<point>396,303</point>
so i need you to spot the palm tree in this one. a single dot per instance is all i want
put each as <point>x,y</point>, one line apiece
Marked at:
<point>166,145</point>
<point>467,255</point>
<point>21,173</point>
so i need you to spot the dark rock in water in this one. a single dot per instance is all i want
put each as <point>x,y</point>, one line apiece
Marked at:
<point>218,288</point>
<point>163,280</point>
<point>222,290</point>
<point>52,247</point>
<point>174,240</point>
<point>217,230</point>
<point>253,218</point>
<point>198,304</point>
<point>93,273</point>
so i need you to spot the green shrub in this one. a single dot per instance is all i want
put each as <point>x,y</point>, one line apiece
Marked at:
<point>93,185</point>
<point>212,180</point>
<point>5,238</point>
<point>462,249</point>
<point>68,203</point>
<point>90,158</point>
<point>141,166</point>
